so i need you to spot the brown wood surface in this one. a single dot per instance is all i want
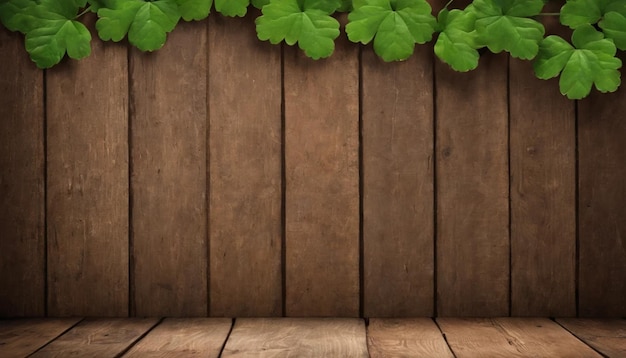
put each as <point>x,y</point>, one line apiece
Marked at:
<point>543,196</point>
<point>472,190</point>
<point>322,183</point>
<point>602,212</point>
<point>178,337</point>
<point>408,337</point>
<point>297,337</point>
<point>87,184</point>
<point>398,166</point>
<point>19,338</point>
<point>511,337</point>
<point>22,247</point>
<point>245,170</point>
<point>607,336</point>
<point>98,338</point>
<point>169,209</point>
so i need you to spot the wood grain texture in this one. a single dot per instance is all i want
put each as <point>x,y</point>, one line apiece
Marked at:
<point>398,223</point>
<point>472,190</point>
<point>98,338</point>
<point>22,248</point>
<point>322,183</point>
<point>543,196</point>
<point>607,336</point>
<point>602,194</point>
<point>87,184</point>
<point>408,337</point>
<point>169,208</point>
<point>245,170</point>
<point>176,337</point>
<point>19,338</point>
<point>297,337</point>
<point>511,337</point>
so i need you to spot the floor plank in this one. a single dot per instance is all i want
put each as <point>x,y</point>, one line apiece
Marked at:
<point>511,337</point>
<point>98,338</point>
<point>177,337</point>
<point>607,336</point>
<point>297,337</point>
<point>418,337</point>
<point>19,338</point>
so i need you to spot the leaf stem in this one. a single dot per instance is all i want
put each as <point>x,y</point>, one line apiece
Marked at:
<point>549,14</point>
<point>83,12</point>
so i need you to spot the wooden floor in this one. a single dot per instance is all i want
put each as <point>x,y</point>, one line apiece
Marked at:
<point>332,337</point>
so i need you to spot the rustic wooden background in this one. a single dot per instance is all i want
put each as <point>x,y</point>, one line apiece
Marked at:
<point>224,176</point>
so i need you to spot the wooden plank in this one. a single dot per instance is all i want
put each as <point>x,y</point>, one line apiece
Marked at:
<point>398,215</point>
<point>322,183</point>
<point>21,181</point>
<point>297,337</point>
<point>245,170</point>
<point>602,193</point>
<point>202,337</point>
<point>543,196</point>
<point>511,337</point>
<point>19,338</point>
<point>607,336</point>
<point>472,189</point>
<point>169,157</point>
<point>409,337</point>
<point>98,338</point>
<point>87,184</point>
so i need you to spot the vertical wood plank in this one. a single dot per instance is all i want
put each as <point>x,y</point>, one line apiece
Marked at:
<point>472,189</point>
<point>543,196</point>
<point>602,209</point>
<point>20,338</point>
<point>169,175</point>
<point>87,184</point>
<point>22,248</point>
<point>398,237</point>
<point>101,337</point>
<point>245,170</point>
<point>322,183</point>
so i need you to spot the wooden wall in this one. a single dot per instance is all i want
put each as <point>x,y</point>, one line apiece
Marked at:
<point>224,176</point>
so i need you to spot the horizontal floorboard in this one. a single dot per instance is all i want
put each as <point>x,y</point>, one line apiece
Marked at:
<point>297,337</point>
<point>607,336</point>
<point>313,337</point>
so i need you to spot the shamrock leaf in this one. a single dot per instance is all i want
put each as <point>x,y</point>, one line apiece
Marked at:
<point>54,32</point>
<point>232,7</point>
<point>259,3</point>
<point>394,25</point>
<point>307,22</point>
<point>456,44</point>
<point>346,6</point>
<point>194,9</point>
<point>503,25</point>
<point>95,5</point>
<point>146,23</point>
<point>614,27</point>
<point>13,16</point>
<point>591,61</point>
<point>580,12</point>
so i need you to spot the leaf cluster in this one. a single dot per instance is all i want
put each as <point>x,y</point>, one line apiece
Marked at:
<point>53,28</point>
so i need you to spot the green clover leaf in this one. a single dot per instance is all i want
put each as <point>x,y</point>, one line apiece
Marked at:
<point>306,22</point>
<point>194,9</point>
<point>146,23</point>
<point>394,25</point>
<point>503,25</point>
<point>232,7</point>
<point>591,61</point>
<point>456,44</point>
<point>54,32</point>
<point>13,15</point>
<point>613,25</point>
<point>259,3</point>
<point>580,12</point>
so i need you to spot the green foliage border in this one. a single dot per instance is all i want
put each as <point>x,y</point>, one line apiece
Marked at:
<point>53,29</point>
